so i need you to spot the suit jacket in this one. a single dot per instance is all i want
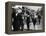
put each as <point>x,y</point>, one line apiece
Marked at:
<point>28,19</point>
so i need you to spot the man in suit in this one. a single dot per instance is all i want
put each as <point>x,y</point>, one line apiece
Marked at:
<point>15,21</point>
<point>20,21</point>
<point>28,19</point>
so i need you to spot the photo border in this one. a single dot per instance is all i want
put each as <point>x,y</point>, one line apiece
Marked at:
<point>8,11</point>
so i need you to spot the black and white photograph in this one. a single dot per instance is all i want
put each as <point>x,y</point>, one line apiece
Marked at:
<point>26,18</point>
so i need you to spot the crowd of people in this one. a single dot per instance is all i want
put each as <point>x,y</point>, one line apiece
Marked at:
<point>19,17</point>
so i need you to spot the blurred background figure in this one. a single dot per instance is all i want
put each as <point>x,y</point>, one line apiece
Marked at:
<point>39,15</point>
